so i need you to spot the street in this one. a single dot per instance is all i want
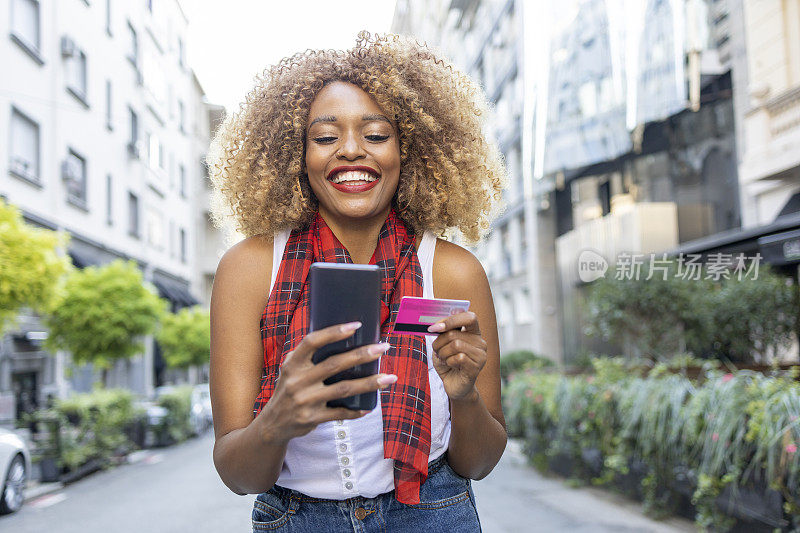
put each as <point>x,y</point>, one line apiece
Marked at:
<point>177,489</point>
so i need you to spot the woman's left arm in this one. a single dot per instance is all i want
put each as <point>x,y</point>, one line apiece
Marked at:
<point>467,358</point>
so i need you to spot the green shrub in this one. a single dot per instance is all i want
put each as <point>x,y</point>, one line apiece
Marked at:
<point>92,426</point>
<point>519,359</point>
<point>733,430</point>
<point>735,319</point>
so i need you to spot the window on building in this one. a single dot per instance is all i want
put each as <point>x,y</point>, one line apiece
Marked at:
<point>183,245</point>
<point>587,96</point>
<point>522,304</point>
<point>181,58</point>
<point>133,139</point>
<point>181,117</point>
<point>155,151</point>
<point>133,215</point>
<point>154,75</point>
<point>75,64</point>
<point>109,107</point>
<point>604,192</point>
<point>74,175</point>
<point>109,201</point>
<point>108,18</point>
<point>154,221</point>
<point>133,46</point>
<point>182,178</point>
<point>24,144</point>
<point>172,238</point>
<point>505,247</point>
<point>523,243</point>
<point>25,28</point>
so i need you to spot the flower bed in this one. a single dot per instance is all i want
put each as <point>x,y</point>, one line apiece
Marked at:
<point>727,446</point>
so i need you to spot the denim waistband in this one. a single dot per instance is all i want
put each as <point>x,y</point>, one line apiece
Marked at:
<point>292,494</point>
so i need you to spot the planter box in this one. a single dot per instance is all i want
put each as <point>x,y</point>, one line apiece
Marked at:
<point>562,464</point>
<point>631,483</point>
<point>593,461</point>
<point>755,504</point>
<point>50,472</point>
<point>92,465</point>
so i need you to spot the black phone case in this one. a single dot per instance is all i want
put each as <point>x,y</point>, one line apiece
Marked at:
<point>340,293</point>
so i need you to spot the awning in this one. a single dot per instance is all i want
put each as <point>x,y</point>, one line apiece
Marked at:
<point>781,248</point>
<point>174,292</point>
<point>83,258</point>
<point>747,240</point>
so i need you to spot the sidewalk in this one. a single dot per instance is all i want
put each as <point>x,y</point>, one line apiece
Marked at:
<point>35,489</point>
<point>516,498</point>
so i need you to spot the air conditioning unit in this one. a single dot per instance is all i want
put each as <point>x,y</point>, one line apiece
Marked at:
<point>67,47</point>
<point>20,166</point>
<point>68,172</point>
<point>135,149</point>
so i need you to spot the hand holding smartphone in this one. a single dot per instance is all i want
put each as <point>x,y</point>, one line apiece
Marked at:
<point>347,292</point>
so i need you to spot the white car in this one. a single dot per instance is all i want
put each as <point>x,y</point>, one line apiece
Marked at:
<point>15,466</point>
<point>202,419</point>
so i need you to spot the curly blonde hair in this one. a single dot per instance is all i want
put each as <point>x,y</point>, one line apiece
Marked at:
<point>450,173</point>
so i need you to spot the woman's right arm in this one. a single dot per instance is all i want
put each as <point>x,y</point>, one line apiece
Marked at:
<point>247,456</point>
<point>249,452</point>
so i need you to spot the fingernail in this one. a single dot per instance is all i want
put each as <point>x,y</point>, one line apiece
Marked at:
<point>439,326</point>
<point>376,349</point>
<point>387,379</point>
<point>350,326</point>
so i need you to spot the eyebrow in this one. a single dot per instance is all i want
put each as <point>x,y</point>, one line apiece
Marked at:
<point>365,118</point>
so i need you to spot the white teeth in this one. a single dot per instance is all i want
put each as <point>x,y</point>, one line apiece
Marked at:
<point>353,175</point>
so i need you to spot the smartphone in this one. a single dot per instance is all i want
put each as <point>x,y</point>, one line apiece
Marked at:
<point>340,293</point>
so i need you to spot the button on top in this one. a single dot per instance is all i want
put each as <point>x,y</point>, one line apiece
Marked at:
<point>340,422</point>
<point>341,434</point>
<point>349,485</point>
<point>346,472</point>
<point>345,460</point>
<point>361,513</point>
<point>343,447</point>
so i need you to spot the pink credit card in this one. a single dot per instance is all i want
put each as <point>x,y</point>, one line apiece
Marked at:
<point>416,314</point>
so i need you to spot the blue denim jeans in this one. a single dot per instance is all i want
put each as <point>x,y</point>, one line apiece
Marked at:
<point>447,504</point>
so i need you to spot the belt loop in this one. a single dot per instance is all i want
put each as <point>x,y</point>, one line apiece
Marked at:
<point>294,502</point>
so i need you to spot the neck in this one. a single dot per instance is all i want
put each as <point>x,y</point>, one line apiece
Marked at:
<point>359,236</point>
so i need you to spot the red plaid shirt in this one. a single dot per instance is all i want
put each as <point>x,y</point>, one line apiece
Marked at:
<point>405,404</point>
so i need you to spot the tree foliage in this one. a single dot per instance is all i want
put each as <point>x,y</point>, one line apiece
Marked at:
<point>734,318</point>
<point>103,314</point>
<point>30,265</point>
<point>185,337</point>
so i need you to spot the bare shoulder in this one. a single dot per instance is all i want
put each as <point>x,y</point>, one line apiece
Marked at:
<point>457,273</point>
<point>249,260</point>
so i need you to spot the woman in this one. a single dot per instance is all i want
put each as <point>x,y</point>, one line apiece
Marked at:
<point>360,156</point>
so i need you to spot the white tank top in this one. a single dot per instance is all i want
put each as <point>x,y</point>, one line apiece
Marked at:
<point>344,458</point>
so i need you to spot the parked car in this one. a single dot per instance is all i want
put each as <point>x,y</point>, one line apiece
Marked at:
<point>15,468</point>
<point>202,419</point>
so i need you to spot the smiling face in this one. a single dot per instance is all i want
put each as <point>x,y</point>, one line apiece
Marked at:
<point>351,140</point>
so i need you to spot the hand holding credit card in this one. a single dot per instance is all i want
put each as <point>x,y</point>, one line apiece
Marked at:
<point>416,314</point>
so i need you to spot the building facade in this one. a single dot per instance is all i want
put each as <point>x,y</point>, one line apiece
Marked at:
<point>103,132</point>
<point>488,41</point>
<point>770,162</point>
<point>619,137</point>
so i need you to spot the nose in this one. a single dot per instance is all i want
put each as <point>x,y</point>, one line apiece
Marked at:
<point>350,148</point>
